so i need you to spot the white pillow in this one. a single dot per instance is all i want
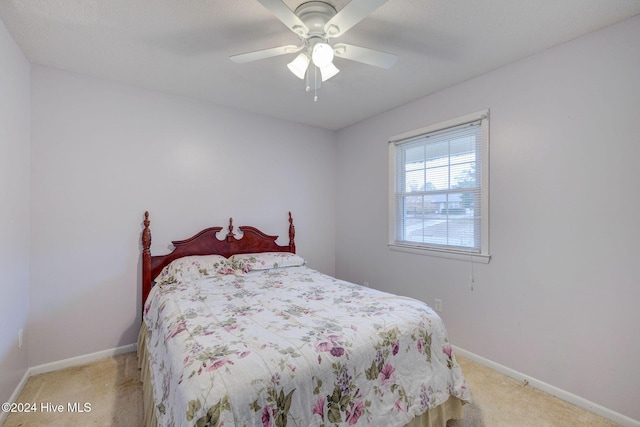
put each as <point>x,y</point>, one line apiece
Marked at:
<point>265,261</point>
<point>194,267</point>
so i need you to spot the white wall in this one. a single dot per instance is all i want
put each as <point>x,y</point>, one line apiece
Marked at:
<point>14,211</point>
<point>559,300</point>
<point>104,153</point>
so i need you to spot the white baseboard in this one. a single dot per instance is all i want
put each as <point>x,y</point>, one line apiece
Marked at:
<point>14,395</point>
<point>81,360</point>
<point>62,364</point>
<point>616,417</point>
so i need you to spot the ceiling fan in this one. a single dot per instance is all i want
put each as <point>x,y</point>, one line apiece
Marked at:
<point>316,23</point>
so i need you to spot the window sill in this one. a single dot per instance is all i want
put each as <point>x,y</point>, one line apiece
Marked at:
<point>461,256</point>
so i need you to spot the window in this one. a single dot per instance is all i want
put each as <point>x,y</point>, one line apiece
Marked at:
<point>439,194</point>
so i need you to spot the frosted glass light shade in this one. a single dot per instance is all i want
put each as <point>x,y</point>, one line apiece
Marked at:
<point>299,65</point>
<point>328,71</point>
<point>322,55</point>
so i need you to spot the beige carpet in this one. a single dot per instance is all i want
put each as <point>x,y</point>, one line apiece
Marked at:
<point>112,389</point>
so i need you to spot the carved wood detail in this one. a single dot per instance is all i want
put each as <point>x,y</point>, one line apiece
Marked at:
<point>206,242</point>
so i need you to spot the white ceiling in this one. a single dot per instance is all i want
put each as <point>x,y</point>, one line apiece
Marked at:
<point>182,47</point>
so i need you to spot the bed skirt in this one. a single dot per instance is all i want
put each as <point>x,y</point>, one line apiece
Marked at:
<point>435,417</point>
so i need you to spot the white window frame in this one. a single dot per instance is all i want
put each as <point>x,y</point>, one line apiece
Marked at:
<point>483,255</point>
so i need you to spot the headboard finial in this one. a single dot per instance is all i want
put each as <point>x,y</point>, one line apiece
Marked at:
<point>230,233</point>
<point>292,234</point>
<point>146,234</point>
<point>146,258</point>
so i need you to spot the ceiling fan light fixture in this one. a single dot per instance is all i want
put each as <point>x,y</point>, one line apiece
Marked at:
<point>322,55</point>
<point>328,71</point>
<point>317,22</point>
<point>299,65</point>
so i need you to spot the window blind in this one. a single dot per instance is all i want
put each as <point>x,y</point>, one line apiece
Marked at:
<point>438,188</point>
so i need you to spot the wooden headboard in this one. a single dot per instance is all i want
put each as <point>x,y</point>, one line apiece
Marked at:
<point>206,243</point>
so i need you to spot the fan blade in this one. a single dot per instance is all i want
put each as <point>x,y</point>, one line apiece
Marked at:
<point>366,56</point>
<point>354,12</point>
<point>286,16</point>
<point>265,53</point>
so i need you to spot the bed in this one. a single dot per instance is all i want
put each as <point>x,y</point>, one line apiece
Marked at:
<point>238,331</point>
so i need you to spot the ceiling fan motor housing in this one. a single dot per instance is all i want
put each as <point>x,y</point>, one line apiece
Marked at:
<point>315,15</point>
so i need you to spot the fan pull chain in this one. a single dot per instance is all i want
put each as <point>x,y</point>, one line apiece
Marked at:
<point>315,81</point>
<point>315,85</point>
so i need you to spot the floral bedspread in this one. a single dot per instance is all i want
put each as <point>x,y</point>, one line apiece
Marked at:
<point>293,347</point>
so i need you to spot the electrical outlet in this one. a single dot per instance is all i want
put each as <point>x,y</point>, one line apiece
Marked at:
<point>438,306</point>
<point>20,333</point>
